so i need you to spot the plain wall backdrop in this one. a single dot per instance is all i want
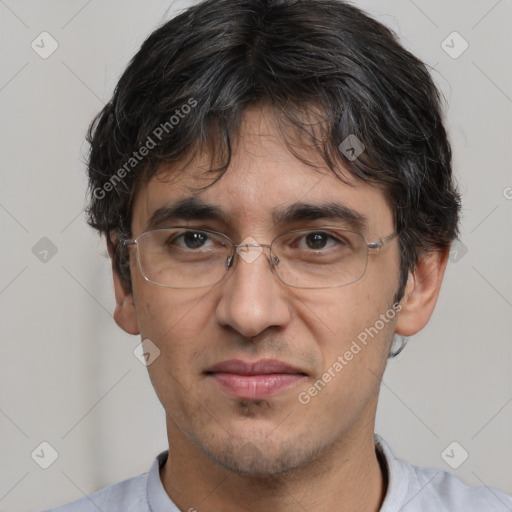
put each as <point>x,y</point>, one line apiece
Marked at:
<point>68,374</point>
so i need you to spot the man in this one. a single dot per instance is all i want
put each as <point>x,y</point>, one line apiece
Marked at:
<point>274,182</point>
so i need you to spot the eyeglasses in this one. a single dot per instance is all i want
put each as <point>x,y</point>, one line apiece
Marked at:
<point>185,257</point>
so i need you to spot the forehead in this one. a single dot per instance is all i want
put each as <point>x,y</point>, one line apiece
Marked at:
<point>262,184</point>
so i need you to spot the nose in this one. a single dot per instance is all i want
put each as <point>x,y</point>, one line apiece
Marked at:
<point>252,297</point>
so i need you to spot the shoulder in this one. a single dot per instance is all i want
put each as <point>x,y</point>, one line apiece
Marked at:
<point>447,492</point>
<point>412,489</point>
<point>126,496</point>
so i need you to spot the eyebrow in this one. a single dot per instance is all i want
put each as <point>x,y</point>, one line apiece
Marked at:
<point>193,208</point>
<point>190,208</point>
<point>331,211</point>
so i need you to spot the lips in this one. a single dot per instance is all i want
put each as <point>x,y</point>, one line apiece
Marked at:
<point>254,380</point>
<point>261,367</point>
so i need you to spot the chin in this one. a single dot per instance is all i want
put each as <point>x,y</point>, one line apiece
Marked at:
<point>259,459</point>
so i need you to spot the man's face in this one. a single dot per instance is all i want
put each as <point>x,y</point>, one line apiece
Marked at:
<point>251,315</point>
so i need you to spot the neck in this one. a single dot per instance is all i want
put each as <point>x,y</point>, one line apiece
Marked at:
<point>346,477</point>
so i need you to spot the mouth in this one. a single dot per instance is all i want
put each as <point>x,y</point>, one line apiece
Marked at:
<point>254,380</point>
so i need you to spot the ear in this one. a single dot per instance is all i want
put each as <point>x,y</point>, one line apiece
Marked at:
<point>421,292</point>
<point>125,314</point>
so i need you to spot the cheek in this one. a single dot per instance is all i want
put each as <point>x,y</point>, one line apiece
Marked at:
<point>176,322</point>
<point>168,313</point>
<point>353,329</point>
<point>337,316</point>
<point>354,358</point>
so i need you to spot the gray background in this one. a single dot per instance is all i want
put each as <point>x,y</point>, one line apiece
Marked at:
<point>68,375</point>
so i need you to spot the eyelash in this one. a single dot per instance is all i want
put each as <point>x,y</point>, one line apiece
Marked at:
<point>327,234</point>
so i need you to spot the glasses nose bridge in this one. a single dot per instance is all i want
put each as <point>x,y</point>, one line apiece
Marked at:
<point>250,244</point>
<point>236,249</point>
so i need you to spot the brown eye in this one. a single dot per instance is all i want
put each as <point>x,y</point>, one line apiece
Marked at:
<point>318,240</point>
<point>188,240</point>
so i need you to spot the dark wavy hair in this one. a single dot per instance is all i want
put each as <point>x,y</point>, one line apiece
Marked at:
<point>328,71</point>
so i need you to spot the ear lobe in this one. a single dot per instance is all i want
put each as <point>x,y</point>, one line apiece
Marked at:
<point>421,292</point>
<point>125,313</point>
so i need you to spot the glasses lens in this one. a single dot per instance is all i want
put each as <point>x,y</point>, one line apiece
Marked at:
<point>323,258</point>
<point>183,257</point>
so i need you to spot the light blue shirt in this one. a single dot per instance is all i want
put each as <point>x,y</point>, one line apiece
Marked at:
<point>410,489</point>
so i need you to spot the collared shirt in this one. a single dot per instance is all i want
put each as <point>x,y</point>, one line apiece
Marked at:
<point>410,489</point>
